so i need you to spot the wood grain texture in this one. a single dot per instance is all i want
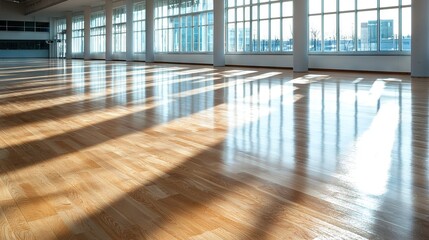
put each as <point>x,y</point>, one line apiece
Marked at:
<point>114,150</point>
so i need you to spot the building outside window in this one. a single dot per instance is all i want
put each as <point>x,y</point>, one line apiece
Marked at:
<point>78,30</point>
<point>98,32</point>
<point>139,28</point>
<point>184,25</point>
<point>359,25</point>
<point>119,30</point>
<point>259,26</point>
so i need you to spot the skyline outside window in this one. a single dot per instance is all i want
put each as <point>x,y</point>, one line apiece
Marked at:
<point>359,25</point>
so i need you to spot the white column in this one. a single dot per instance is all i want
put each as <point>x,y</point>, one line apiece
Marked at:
<point>420,38</point>
<point>219,34</point>
<point>150,29</point>
<point>109,29</point>
<point>300,36</point>
<point>69,23</point>
<point>130,29</point>
<point>87,33</point>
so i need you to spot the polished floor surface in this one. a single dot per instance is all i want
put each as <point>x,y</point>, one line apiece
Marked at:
<point>115,150</point>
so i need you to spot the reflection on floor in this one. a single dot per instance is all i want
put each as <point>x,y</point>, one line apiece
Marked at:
<point>96,150</point>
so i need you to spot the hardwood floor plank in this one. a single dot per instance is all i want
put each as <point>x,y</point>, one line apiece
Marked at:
<point>57,225</point>
<point>4,192</point>
<point>81,226</point>
<point>5,229</point>
<point>41,231</point>
<point>16,220</point>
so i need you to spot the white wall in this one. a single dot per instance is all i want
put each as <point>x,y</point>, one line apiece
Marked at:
<point>139,57</point>
<point>24,53</point>
<point>98,56</point>
<point>24,35</point>
<point>390,63</point>
<point>184,58</point>
<point>119,56</point>
<point>77,55</point>
<point>401,63</point>
<point>259,60</point>
<point>398,63</point>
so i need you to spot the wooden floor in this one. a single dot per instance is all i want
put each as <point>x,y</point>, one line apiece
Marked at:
<point>96,150</point>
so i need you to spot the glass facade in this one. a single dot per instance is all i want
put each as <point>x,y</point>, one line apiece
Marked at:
<point>359,25</point>
<point>259,25</point>
<point>98,32</point>
<point>78,31</point>
<point>139,27</point>
<point>119,30</point>
<point>60,36</point>
<point>184,26</point>
<point>251,26</point>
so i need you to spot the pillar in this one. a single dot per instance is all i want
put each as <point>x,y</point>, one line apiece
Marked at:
<point>150,29</point>
<point>69,31</point>
<point>420,38</point>
<point>300,36</point>
<point>219,34</point>
<point>87,33</point>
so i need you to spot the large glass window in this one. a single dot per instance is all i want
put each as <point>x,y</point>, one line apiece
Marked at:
<point>119,30</point>
<point>359,25</point>
<point>139,28</point>
<point>259,26</point>
<point>98,32</point>
<point>184,25</point>
<point>60,36</point>
<point>78,30</point>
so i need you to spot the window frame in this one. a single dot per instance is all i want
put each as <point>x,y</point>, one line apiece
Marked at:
<point>98,32</point>
<point>379,51</point>
<point>139,27</point>
<point>78,34</point>
<point>285,47</point>
<point>119,29</point>
<point>184,16</point>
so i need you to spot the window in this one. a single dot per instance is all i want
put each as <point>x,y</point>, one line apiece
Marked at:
<point>60,36</point>
<point>3,25</point>
<point>24,26</point>
<point>139,28</point>
<point>16,26</point>
<point>119,29</point>
<point>259,26</point>
<point>30,26</point>
<point>98,32</point>
<point>184,26</point>
<point>42,27</point>
<point>78,34</point>
<point>359,25</point>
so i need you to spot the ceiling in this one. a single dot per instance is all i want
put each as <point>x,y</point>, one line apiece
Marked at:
<point>59,9</point>
<point>55,8</point>
<point>16,1</point>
